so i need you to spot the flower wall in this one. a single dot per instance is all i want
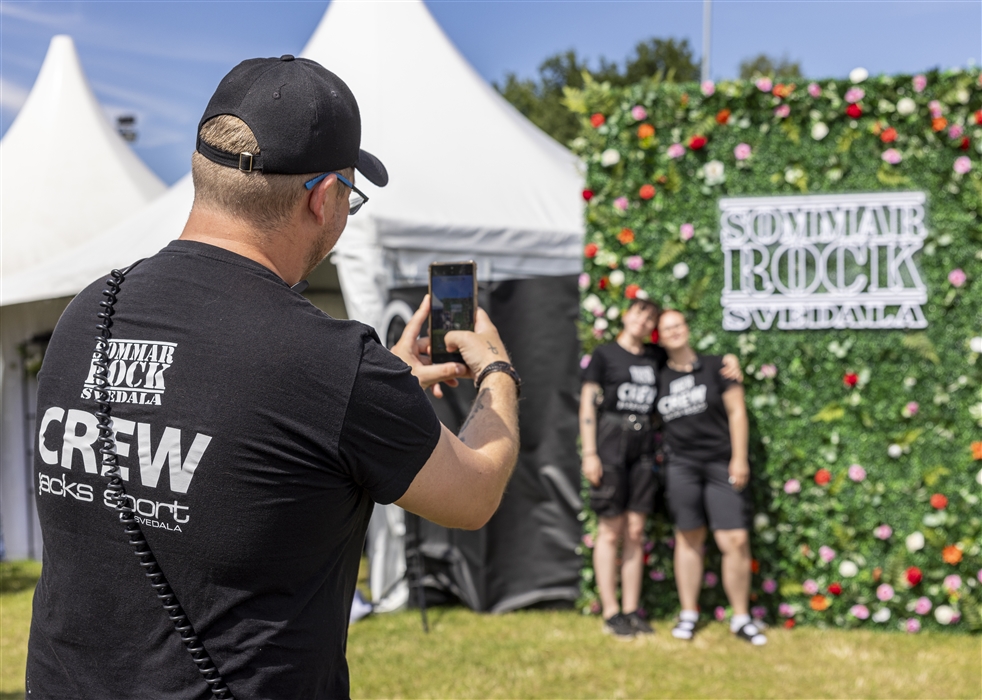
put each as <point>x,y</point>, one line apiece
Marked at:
<point>866,444</point>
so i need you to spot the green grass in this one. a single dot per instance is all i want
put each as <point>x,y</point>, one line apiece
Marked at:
<point>564,655</point>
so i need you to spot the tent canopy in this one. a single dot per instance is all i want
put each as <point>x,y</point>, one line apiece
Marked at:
<point>67,175</point>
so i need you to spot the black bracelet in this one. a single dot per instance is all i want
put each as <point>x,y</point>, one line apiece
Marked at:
<point>500,366</point>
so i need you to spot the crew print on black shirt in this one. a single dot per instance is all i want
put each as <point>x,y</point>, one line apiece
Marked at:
<point>629,382</point>
<point>692,410</point>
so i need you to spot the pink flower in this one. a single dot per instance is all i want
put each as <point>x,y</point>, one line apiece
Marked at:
<point>588,541</point>
<point>598,333</point>
<point>922,606</point>
<point>639,113</point>
<point>814,89</point>
<point>962,165</point>
<point>854,95</point>
<point>768,371</point>
<point>856,472</point>
<point>955,131</point>
<point>952,583</point>
<point>649,546</point>
<point>676,150</point>
<point>810,587</point>
<point>758,612</point>
<point>912,408</point>
<point>621,203</point>
<point>884,592</point>
<point>708,87</point>
<point>785,610</point>
<point>670,543</point>
<point>934,107</point>
<point>595,607</point>
<point>826,553</point>
<point>782,111</point>
<point>719,613</point>
<point>686,231</point>
<point>883,532</point>
<point>860,612</point>
<point>792,486</point>
<point>764,84</point>
<point>769,585</point>
<point>979,576</point>
<point>585,362</point>
<point>634,262</point>
<point>742,151</point>
<point>957,277</point>
<point>892,156</point>
<point>710,579</point>
<point>913,625</point>
<point>584,280</point>
<point>656,575</point>
<point>920,82</point>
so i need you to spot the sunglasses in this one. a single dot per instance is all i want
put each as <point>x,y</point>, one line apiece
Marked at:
<point>357,198</point>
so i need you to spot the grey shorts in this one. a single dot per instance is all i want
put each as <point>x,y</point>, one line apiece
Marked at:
<point>700,493</point>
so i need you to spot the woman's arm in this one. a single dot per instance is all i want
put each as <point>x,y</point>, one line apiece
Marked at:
<point>736,413</point>
<point>592,467</point>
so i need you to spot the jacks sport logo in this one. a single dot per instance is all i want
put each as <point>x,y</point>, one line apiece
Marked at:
<point>136,371</point>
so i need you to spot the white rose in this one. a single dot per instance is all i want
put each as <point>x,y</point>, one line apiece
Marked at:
<point>819,130</point>
<point>680,270</point>
<point>617,278</point>
<point>895,451</point>
<point>601,324</point>
<point>761,521</point>
<point>715,172</point>
<point>944,614</point>
<point>976,344</point>
<point>906,106</point>
<point>978,477</point>
<point>915,542</point>
<point>962,96</point>
<point>881,615</point>
<point>858,75</point>
<point>592,302</point>
<point>642,294</point>
<point>613,312</point>
<point>610,157</point>
<point>848,569</point>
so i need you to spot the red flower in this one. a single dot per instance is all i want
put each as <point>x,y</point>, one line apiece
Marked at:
<point>697,142</point>
<point>723,116</point>
<point>603,283</point>
<point>587,195</point>
<point>631,292</point>
<point>939,501</point>
<point>850,379</point>
<point>854,111</point>
<point>646,191</point>
<point>978,117</point>
<point>835,589</point>
<point>788,624</point>
<point>654,336</point>
<point>590,250</point>
<point>755,566</point>
<point>964,144</point>
<point>625,236</point>
<point>889,135</point>
<point>823,476</point>
<point>914,576</point>
<point>597,119</point>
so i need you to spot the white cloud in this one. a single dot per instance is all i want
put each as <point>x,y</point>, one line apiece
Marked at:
<point>29,13</point>
<point>12,95</point>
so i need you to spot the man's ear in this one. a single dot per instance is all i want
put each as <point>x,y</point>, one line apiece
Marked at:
<point>317,200</point>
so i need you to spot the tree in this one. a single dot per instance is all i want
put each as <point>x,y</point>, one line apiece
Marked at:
<point>771,67</point>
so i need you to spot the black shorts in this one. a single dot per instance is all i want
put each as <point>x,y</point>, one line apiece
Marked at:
<point>698,491</point>
<point>627,451</point>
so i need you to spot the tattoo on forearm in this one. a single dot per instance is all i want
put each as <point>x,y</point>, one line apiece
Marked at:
<point>477,408</point>
<point>492,348</point>
<point>587,421</point>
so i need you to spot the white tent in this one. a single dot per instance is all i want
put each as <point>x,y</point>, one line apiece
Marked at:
<point>470,177</point>
<point>65,176</point>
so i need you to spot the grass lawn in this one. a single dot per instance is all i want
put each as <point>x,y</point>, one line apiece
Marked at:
<point>564,655</point>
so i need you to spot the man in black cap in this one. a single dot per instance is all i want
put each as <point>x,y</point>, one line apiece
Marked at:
<point>242,434</point>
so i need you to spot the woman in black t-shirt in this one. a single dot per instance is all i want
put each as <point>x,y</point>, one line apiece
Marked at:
<point>706,433</point>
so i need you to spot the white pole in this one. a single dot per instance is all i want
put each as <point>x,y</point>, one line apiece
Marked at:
<point>706,25</point>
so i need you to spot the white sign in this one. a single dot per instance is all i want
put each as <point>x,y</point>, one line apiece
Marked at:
<point>823,261</point>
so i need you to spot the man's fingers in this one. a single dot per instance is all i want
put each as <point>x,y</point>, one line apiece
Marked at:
<point>423,345</point>
<point>415,324</point>
<point>446,372</point>
<point>483,323</point>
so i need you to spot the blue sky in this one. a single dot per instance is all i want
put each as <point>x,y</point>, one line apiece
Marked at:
<point>161,60</point>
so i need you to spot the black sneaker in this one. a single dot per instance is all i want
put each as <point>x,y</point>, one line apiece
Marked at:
<point>639,624</point>
<point>619,626</point>
<point>751,633</point>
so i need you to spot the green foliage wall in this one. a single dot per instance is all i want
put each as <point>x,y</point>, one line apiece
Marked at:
<point>866,443</point>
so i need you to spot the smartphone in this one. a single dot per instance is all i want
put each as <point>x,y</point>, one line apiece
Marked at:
<point>453,305</point>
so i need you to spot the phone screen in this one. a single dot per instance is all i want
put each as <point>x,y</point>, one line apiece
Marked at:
<point>453,306</point>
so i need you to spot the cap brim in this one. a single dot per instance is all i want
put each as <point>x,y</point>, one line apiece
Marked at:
<point>372,168</point>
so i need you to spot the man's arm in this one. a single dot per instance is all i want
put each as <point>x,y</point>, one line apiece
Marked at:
<point>736,413</point>
<point>591,465</point>
<point>462,482</point>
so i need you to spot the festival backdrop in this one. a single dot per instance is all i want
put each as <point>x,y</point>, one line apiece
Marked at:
<point>830,234</point>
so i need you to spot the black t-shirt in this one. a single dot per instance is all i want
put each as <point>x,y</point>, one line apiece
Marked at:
<point>692,410</point>
<point>254,434</point>
<point>628,381</point>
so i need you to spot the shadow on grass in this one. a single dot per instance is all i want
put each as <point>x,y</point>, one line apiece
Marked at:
<point>18,576</point>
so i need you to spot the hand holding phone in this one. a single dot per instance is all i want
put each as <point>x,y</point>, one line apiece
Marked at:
<point>453,305</point>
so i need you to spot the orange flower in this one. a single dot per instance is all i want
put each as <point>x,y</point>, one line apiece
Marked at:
<point>889,135</point>
<point>625,236</point>
<point>939,123</point>
<point>723,116</point>
<point>877,573</point>
<point>951,554</point>
<point>939,501</point>
<point>685,99</point>
<point>782,90</point>
<point>646,191</point>
<point>646,131</point>
<point>977,450</point>
<point>819,602</point>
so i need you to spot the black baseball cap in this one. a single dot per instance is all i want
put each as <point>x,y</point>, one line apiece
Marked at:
<point>304,118</point>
